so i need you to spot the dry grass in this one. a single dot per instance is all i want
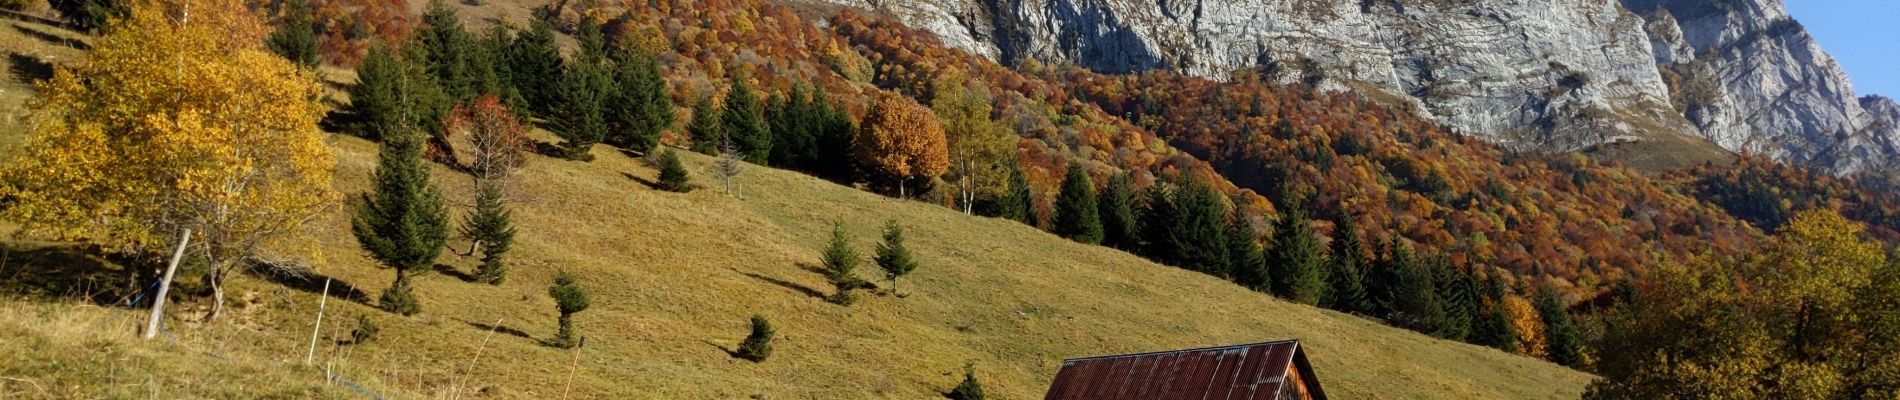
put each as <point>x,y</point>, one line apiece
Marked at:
<point>675,276</point>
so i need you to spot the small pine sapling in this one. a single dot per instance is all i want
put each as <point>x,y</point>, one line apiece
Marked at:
<point>970,389</point>
<point>893,257</point>
<point>365,331</point>
<point>758,345</point>
<point>841,265</point>
<point>672,174</point>
<point>570,298</point>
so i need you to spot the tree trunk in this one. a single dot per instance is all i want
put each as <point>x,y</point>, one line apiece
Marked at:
<point>216,279</point>
<point>165,286</point>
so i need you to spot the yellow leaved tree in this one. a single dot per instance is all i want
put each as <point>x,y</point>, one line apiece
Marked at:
<point>900,141</point>
<point>179,127</point>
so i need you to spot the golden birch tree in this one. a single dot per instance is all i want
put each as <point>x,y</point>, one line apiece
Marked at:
<point>179,122</point>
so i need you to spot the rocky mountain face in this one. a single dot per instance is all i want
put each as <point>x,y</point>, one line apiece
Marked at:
<point>1550,74</point>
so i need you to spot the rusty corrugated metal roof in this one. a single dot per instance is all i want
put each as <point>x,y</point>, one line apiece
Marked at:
<point>1240,372</point>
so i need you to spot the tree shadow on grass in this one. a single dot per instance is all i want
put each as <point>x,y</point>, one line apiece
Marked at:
<point>49,37</point>
<point>807,290</point>
<point>722,348</point>
<point>503,329</point>
<point>649,184</point>
<point>29,69</point>
<point>311,282</point>
<point>445,269</point>
<point>64,272</point>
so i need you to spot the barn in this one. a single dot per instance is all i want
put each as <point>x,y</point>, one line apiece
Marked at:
<point>1259,371</point>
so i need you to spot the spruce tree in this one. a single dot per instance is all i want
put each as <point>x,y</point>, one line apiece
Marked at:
<point>1247,264</point>
<point>1299,268</point>
<point>740,121</point>
<point>496,73</point>
<point>833,133</point>
<point>581,120</point>
<point>534,67</point>
<point>1345,278</point>
<point>1418,306</point>
<point>489,226</point>
<point>1201,235</point>
<point>969,389</point>
<point>1385,280</point>
<point>841,265</point>
<point>757,345</point>
<point>640,107</point>
<point>793,119</point>
<point>892,256</point>
<point>1117,212</point>
<point>705,127</point>
<point>1077,216</point>
<point>447,47</point>
<point>1158,214</point>
<point>1564,341</point>
<point>380,98</point>
<point>1458,296</point>
<point>673,175</point>
<point>1493,326</point>
<point>295,38</point>
<point>1017,204</point>
<point>569,298</point>
<point>1186,227</point>
<point>402,222</point>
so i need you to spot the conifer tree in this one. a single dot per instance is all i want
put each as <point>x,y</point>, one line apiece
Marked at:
<point>1386,279</point>
<point>295,38</point>
<point>833,135</point>
<point>706,126</point>
<point>673,175</point>
<point>489,224</point>
<point>757,345</point>
<point>498,75</point>
<point>640,107</point>
<point>969,389</point>
<point>1117,212</point>
<point>581,120</point>
<point>447,50</point>
<point>569,298</point>
<point>1345,278</point>
<point>1299,273</point>
<point>1458,296</point>
<point>1418,306</point>
<point>1187,227</point>
<point>892,256</point>
<point>379,97</point>
<point>534,67</point>
<point>402,222</point>
<point>1018,204</point>
<point>741,123</point>
<point>1493,327</point>
<point>1246,262</point>
<point>841,265</point>
<point>1565,342</point>
<point>1077,215</point>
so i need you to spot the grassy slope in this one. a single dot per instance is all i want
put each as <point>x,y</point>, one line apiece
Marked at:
<point>675,276</point>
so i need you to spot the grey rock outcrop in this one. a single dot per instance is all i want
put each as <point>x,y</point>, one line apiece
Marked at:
<point>1781,94</point>
<point>1554,74</point>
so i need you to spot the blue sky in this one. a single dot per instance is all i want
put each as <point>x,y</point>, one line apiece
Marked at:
<point>1863,35</point>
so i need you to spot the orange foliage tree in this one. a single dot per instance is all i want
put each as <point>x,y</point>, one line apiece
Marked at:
<point>900,141</point>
